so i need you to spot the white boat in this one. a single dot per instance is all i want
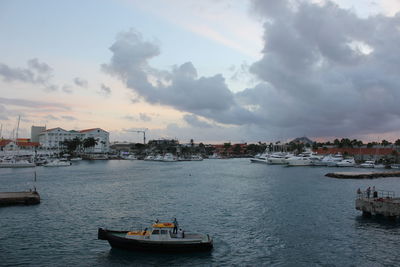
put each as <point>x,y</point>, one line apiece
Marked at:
<point>16,164</point>
<point>57,163</point>
<point>368,164</point>
<point>158,158</point>
<point>169,157</point>
<point>131,157</point>
<point>300,160</point>
<point>278,158</point>
<point>215,156</point>
<point>76,159</point>
<point>330,160</point>
<point>379,166</point>
<point>149,158</point>
<point>349,162</point>
<point>260,158</point>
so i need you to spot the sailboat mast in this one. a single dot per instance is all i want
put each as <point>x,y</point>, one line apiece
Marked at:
<point>16,136</point>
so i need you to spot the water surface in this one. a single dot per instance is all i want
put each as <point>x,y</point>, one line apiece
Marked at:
<point>257,214</point>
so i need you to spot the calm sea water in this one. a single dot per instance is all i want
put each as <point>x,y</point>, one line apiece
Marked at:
<point>257,214</point>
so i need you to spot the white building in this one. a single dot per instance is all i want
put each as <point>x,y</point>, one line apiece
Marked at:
<point>53,138</point>
<point>102,138</point>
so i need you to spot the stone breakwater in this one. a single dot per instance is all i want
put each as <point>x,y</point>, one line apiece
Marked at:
<point>362,175</point>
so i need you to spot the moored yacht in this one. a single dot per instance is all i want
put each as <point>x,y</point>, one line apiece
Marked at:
<point>57,163</point>
<point>368,164</point>
<point>13,163</point>
<point>277,158</point>
<point>169,157</point>
<point>349,162</point>
<point>300,160</point>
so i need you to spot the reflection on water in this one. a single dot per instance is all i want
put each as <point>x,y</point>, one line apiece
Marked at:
<point>256,214</point>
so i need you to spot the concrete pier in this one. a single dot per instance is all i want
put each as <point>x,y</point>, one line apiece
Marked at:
<point>381,203</point>
<point>19,198</point>
<point>363,175</point>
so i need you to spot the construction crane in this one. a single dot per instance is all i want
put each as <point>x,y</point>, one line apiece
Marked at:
<point>144,134</point>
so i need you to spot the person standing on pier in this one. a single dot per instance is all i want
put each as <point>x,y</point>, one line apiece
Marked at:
<point>368,191</point>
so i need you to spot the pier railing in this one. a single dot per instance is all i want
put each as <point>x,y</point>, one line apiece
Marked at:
<point>376,194</point>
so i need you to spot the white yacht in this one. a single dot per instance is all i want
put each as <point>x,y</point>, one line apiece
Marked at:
<point>261,158</point>
<point>277,158</point>
<point>76,159</point>
<point>131,157</point>
<point>349,162</point>
<point>57,163</point>
<point>169,157</point>
<point>196,158</point>
<point>16,164</point>
<point>149,158</point>
<point>368,164</point>
<point>300,160</point>
<point>158,157</point>
<point>329,160</point>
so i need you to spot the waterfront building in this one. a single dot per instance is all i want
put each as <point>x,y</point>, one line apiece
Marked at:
<point>53,138</point>
<point>102,138</point>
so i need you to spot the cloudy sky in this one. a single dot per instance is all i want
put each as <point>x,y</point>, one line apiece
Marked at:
<point>212,71</point>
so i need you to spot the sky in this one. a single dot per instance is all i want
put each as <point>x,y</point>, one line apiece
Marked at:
<point>212,71</point>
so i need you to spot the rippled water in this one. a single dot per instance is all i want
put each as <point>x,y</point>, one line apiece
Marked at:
<point>257,214</point>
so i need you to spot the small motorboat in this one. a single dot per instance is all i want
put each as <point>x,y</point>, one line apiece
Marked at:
<point>57,163</point>
<point>160,237</point>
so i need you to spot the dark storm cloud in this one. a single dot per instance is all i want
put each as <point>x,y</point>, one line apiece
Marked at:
<point>326,71</point>
<point>180,88</point>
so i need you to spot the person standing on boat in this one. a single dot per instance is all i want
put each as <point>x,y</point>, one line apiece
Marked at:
<point>175,231</point>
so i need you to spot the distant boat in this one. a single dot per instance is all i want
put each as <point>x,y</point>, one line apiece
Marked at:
<point>13,163</point>
<point>368,164</point>
<point>215,156</point>
<point>76,159</point>
<point>350,162</point>
<point>149,158</point>
<point>169,157</point>
<point>57,163</point>
<point>131,157</point>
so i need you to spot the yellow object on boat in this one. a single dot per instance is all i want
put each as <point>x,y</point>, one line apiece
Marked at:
<point>135,233</point>
<point>163,225</point>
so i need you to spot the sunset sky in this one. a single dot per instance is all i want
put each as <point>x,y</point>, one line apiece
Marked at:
<point>212,71</point>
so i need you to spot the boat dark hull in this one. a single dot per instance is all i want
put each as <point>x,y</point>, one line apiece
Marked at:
<point>141,245</point>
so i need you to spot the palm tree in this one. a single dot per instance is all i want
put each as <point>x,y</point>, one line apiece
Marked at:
<point>89,142</point>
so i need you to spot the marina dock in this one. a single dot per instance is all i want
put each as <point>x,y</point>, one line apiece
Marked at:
<point>19,198</point>
<point>382,203</point>
<point>362,175</point>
